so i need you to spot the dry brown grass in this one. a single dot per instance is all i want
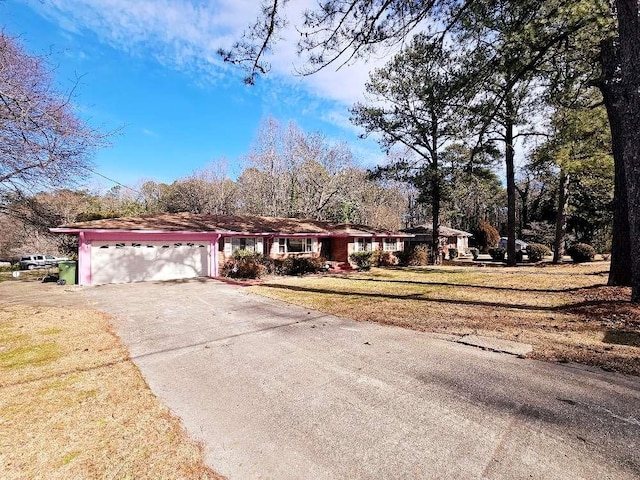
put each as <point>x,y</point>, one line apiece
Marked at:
<point>566,312</point>
<point>72,405</point>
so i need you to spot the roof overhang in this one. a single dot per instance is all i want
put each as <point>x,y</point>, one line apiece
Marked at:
<point>76,231</point>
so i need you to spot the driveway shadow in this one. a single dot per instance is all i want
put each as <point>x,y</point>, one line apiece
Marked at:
<point>481,287</point>
<point>570,307</point>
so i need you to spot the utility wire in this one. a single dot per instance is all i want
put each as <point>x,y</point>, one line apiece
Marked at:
<point>114,181</point>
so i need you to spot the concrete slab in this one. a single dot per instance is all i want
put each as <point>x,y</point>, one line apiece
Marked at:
<point>276,391</point>
<point>497,345</point>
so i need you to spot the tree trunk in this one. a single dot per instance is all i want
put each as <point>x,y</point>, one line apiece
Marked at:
<point>629,105</point>
<point>561,217</point>
<point>435,207</point>
<point>620,61</point>
<point>511,186</point>
<point>524,211</point>
<point>435,190</point>
<point>620,270</point>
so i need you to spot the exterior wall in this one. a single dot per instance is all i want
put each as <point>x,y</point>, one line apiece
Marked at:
<point>274,247</point>
<point>341,248</point>
<point>219,248</point>
<point>86,238</point>
<point>463,244</point>
<point>227,243</point>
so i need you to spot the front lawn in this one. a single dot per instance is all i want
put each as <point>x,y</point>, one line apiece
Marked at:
<point>566,312</point>
<point>72,404</point>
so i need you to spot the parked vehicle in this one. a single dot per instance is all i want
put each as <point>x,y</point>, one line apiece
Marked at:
<point>55,260</point>
<point>520,245</point>
<point>39,260</point>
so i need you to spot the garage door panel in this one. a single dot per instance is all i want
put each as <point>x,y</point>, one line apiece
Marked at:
<point>136,262</point>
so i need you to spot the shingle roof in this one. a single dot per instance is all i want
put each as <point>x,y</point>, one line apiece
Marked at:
<point>226,224</point>
<point>442,231</point>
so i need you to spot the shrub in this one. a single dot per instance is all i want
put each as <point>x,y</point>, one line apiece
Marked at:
<point>453,253</point>
<point>243,264</point>
<point>486,236</point>
<point>475,252</point>
<point>581,252</point>
<point>498,253</point>
<point>537,251</point>
<point>519,255</point>
<point>415,256</point>
<point>361,259</point>
<point>302,265</point>
<point>380,258</point>
<point>271,266</point>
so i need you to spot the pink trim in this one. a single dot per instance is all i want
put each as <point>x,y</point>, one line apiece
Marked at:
<point>86,237</point>
<point>144,236</point>
<point>228,234</point>
<point>358,235</point>
<point>213,257</point>
<point>84,260</point>
<point>136,232</point>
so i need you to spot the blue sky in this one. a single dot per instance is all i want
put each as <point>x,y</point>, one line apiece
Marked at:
<point>149,68</point>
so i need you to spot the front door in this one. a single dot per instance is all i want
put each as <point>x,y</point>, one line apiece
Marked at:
<point>325,248</point>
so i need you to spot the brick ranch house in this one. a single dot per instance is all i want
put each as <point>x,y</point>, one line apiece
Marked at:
<point>449,237</point>
<point>185,245</point>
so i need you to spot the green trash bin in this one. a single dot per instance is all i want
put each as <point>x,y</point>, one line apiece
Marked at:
<point>68,273</point>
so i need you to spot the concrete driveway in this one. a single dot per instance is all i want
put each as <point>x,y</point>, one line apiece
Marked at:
<point>280,392</point>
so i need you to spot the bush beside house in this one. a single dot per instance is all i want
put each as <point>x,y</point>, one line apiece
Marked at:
<point>537,251</point>
<point>486,236</point>
<point>498,253</point>
<point>244,264</point>
<point>361,259</point>
<point>581,252</point>
<point>416,256</point>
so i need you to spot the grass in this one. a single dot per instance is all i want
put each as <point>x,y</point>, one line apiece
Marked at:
<point>566,312</point>
<point>25,275</point>
<point>72,404</point>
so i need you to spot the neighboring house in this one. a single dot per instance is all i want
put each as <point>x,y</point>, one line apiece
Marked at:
<point>449,237</point>
<point>183,245</point>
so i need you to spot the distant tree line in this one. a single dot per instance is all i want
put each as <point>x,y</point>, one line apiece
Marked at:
<point>292,173</point>
<point>506,67</point>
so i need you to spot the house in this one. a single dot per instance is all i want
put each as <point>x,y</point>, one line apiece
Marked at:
<point>449,237</point>
<point>184,245</point>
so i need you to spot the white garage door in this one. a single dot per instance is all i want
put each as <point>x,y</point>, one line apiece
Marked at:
<point>125,262</point>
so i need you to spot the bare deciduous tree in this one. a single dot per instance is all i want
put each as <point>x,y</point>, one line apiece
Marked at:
<point>43,143</point>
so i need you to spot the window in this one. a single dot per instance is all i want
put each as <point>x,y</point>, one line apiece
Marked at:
<point>362,245</point>
<point>295,245</point>
<point>243,243</point>
<point>390,244</point>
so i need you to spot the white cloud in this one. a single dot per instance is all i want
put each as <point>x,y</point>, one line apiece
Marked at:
<point>177,33</point>
<point>150,133</point>
<point>186,34</point>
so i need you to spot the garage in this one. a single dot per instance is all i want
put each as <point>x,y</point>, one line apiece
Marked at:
<point>124,262</point>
